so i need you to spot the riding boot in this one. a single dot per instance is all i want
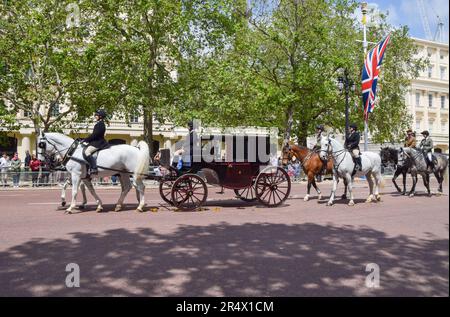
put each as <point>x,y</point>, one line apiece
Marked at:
<point>92,165</point>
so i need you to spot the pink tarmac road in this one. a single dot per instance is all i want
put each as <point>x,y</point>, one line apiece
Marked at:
<point>230,248</point>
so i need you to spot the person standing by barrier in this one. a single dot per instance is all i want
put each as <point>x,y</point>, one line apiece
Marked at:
<point>34,166</point>
<point>4,167</point>
<point>15,169</point>
<point>45,174</point>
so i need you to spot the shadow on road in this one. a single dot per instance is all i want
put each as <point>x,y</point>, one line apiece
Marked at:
<point>229,260</point>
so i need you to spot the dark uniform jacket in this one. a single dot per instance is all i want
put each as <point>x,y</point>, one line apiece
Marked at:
<point>426,145</point>
<point>97,138</point>
<point>352,141</point>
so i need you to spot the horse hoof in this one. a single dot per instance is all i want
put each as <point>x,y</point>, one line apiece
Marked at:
<point>378,197</point>
<point>344,197</point>
<point>369,200</point>
<point>404,193</point>
<point>411,195</point>
<point>329,204</point>
<point>139,210</point>
<point>82,206</point>
<point>320,197</point>
<point>351,203</point>
<point>118,208</point>
<point>99,209</point>
<point>63,203</point>
<point>306,198</point>
<point>68,211</point>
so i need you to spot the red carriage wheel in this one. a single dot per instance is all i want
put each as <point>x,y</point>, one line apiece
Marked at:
<point>166,183</point>
<point>246,194</point>
<point>189,192</point>
<point>272,186</point>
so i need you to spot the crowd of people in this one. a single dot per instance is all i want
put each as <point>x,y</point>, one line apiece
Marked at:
<point>15,172</point>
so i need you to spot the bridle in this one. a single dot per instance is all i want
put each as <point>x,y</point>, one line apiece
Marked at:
<point>49,158</point>
<point>339,152</point>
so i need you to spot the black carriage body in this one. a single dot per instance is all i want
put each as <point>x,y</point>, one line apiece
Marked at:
<point>234,172</point>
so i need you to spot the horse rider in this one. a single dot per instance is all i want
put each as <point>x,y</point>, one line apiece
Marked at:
<point>319,133</point>
<point>352,145</point>
<point>410,140</point>
<point>96,141</point>
<point>426,146</point>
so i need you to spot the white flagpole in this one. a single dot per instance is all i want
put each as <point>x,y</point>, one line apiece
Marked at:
<point>364,21</point>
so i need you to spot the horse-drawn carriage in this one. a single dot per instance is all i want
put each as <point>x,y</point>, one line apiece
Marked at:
<point>251,177</point>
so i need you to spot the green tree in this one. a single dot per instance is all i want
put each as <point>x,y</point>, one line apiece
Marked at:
<point>45,55</point>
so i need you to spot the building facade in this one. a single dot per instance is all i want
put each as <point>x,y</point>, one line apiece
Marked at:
<point>427,99</point>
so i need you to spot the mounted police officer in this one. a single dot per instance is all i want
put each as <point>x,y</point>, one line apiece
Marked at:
<point>426,146</point>
<point>410,140</point>
<point>319,133</point>
<point>96,141</point>
<point>352,145</point>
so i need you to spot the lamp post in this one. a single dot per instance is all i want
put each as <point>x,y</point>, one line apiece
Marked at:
<point>345,84</point>
<point>364,22</point>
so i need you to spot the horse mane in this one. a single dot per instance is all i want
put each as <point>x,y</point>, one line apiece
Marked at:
<point>60,135</point>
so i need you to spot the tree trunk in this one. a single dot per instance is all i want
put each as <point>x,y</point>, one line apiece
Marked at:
<point>148,129</point>
<point>289,121</point>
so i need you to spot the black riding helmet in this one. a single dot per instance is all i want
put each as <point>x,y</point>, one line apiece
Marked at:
<point>425,133</point>
<point>353,126</point>
<point>101,113</point>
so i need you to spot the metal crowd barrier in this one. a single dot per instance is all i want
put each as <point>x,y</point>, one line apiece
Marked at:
<point>11,179</point>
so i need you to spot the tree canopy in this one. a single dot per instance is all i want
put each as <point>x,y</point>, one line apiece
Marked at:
<point>226,62</point>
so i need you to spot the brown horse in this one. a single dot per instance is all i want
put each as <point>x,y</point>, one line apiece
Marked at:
<point>311,164</point>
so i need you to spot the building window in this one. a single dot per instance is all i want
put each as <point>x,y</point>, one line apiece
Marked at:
<point>27,114</point>
<point>444,126</point>
<point>54,112</point>
<point>443,98</point>
<point>443,71</point>
<point>134,119</point>
<point>430,100</point>
<point>430,125</point>
<point>430,71</point>
<point>418,125</point>
<point>417,99</point>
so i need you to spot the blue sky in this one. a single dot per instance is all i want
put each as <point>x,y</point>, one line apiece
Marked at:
<point>406,12</point>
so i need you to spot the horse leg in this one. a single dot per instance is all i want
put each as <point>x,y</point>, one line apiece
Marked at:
<point>317,189</point>
<point>396,174</point>
<point>125,184</point>
<point>344,196</point>
<point>441,174</point>
<point>141,189</point>
<point>333,192</point>
<point>438,177</point>
<point>370,181</point>
<point>94,194</point>
<point>378,178</point>
<point>350,189</point>
<point>83,193</point>
<point>308,187</point>
<point>413,188</point>
<point>75,183</point>
<point>63,192</point>
<point>427,177</point>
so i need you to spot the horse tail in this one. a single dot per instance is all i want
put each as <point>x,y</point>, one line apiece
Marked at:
<point>143,160</point>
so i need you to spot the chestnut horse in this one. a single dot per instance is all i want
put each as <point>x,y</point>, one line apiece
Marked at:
<point>311,164</point>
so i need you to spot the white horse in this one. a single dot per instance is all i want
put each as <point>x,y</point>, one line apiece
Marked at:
<point>344,165</point>
<point>120,159</point>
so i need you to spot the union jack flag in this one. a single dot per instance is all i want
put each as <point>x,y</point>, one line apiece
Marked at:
<point>370,73</point>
